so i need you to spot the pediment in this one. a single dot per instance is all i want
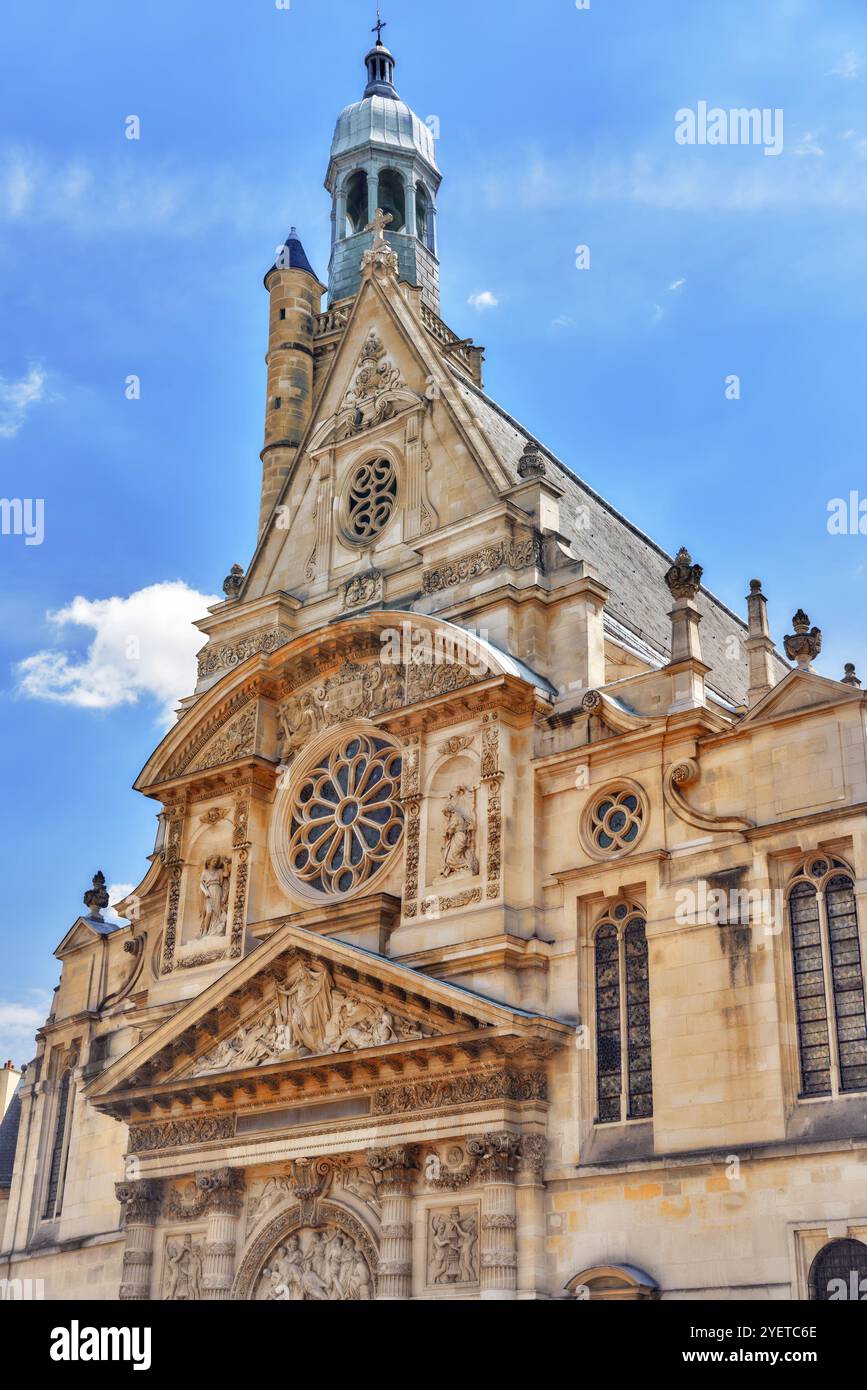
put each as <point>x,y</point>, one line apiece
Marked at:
<point>302,1003</point>
<point>371,666</point>
<point>801,690</point>
<point>391,387</point>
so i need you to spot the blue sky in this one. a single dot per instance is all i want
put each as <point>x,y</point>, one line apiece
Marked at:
<point>145,258</point>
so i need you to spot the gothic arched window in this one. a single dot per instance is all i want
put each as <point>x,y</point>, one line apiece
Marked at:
<point>839,1273</point>
<point>357,212</point>
<point>392,198</point>
<point>624,1078</point>
<point>59,1149</point>
<point>829,978</point>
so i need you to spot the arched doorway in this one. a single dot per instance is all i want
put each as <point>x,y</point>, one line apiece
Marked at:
<point>613,1284</point>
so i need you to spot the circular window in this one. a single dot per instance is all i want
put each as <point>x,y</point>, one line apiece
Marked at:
<point>345,818</point>
<point>371,499</point>
<point>614,821</point>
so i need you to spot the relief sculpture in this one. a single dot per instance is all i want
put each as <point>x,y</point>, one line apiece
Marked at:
<point>317,1267</point>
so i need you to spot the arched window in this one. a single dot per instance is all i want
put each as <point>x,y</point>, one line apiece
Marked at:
<point>839,1273</point>
<point>624,1079</point>
<point>392,198</point>
<point>356,203</point>
<point>59,1149</point>
<point>424,218</point>
<point>829,978</point>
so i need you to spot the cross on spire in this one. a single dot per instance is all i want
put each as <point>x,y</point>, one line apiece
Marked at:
<point>379,25</point>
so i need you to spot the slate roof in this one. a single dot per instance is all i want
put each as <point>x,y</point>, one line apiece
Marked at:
<point>9,1138</point>
<point>631,564</point>
<point>295,257</point>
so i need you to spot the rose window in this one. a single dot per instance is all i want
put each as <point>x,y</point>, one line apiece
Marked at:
<point>615,821</point>
<point>346,817</point>
<point>371,500</point>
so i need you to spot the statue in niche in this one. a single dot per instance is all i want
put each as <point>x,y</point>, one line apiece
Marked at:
<point>214,886</point>
<point>459,842</point>
<point>183,1271</point>
<point>453,1242</point>
<point>317,1267</point>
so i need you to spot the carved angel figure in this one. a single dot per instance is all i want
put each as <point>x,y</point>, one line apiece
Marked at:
<point>458,853</point>
<point>214,886</point>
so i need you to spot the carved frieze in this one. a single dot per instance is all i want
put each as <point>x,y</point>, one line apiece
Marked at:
<point>526,553</point>
<point>237,740</point>
<point>501,1083</point>
<point>172,1134</point>
<point>227,655</point>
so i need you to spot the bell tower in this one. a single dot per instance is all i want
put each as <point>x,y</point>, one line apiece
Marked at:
<point>383,156</point>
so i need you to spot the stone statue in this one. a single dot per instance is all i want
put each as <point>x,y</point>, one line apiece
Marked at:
<point>305,1007</point>
<point>214,886</point>
<point>96,898</point>
<point>459,853</point>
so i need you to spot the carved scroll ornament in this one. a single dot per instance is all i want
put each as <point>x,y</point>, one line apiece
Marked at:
<point>683,774</point>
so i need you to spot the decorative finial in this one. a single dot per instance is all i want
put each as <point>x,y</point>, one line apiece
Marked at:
<point>849,677</point>
<point>96,898</point>
<point>234,582</point>
<point>755,586</point>
<point>684,578</point>
<point>379,25</point>
<point>805,644</point>
<point>531,464</point>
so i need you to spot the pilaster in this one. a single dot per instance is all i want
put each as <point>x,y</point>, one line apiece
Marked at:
<point>141,1201</point>
<point>398,1170</point>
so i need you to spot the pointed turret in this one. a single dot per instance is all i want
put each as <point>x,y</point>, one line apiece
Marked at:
<point>296,296</point>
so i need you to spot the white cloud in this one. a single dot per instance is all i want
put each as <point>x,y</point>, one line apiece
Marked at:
<point>16,398</point>
<point>143,646</point>
<point>676,285</point>
<point>18,1025</point>
<point>809,145</point>
<point>563,321</point>
<point>134,194</point>
<point>483,300</point>
<point>116,894</point>
<point>849,66</point>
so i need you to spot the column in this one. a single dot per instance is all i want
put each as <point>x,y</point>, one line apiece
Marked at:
<point>225,1197</point>
<point>398,1169</point>
<point>141,1201</point>
<point>497,1155</point>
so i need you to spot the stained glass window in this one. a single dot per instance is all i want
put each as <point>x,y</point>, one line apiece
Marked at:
<point>624,1078</point>
<point>829,980</point>
<point>54,1193</point>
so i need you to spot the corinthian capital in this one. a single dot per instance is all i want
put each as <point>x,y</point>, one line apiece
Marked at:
<point>497,1155</point>
<point>223,1189</point>
<point>141,1201</point>
<point>395,1169</point>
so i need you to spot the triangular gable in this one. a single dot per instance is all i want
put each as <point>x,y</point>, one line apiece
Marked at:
<point>299,992</point>
<point>83,932</point>
<point>409,374</point>
<point>800,691</point>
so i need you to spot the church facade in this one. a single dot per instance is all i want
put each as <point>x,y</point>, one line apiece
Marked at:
<point>505,930</point>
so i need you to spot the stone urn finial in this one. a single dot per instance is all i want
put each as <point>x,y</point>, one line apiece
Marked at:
<point>684,578</point>
<point>96,898</point>
<point>805,643</point>
<point>233,582</point>
<point>849,676</point>
<point>532,464</point>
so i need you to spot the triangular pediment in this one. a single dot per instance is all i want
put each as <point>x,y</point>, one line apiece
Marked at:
<point>799,691</point>
<point>391,390</point>
<point>302,1002</point>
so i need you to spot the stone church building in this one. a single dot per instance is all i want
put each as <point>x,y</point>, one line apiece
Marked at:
<point>505,930</point>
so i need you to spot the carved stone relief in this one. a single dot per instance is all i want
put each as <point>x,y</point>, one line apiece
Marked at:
<point>459,839</point>
<point>453,1246</point>
<point>308,1016</point>
<point>225,656</point>
<point>214,891</point>
<point>184,1266</point>
<point>237,740</point>
<point>317,1266</point>
<point>515,555</point>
